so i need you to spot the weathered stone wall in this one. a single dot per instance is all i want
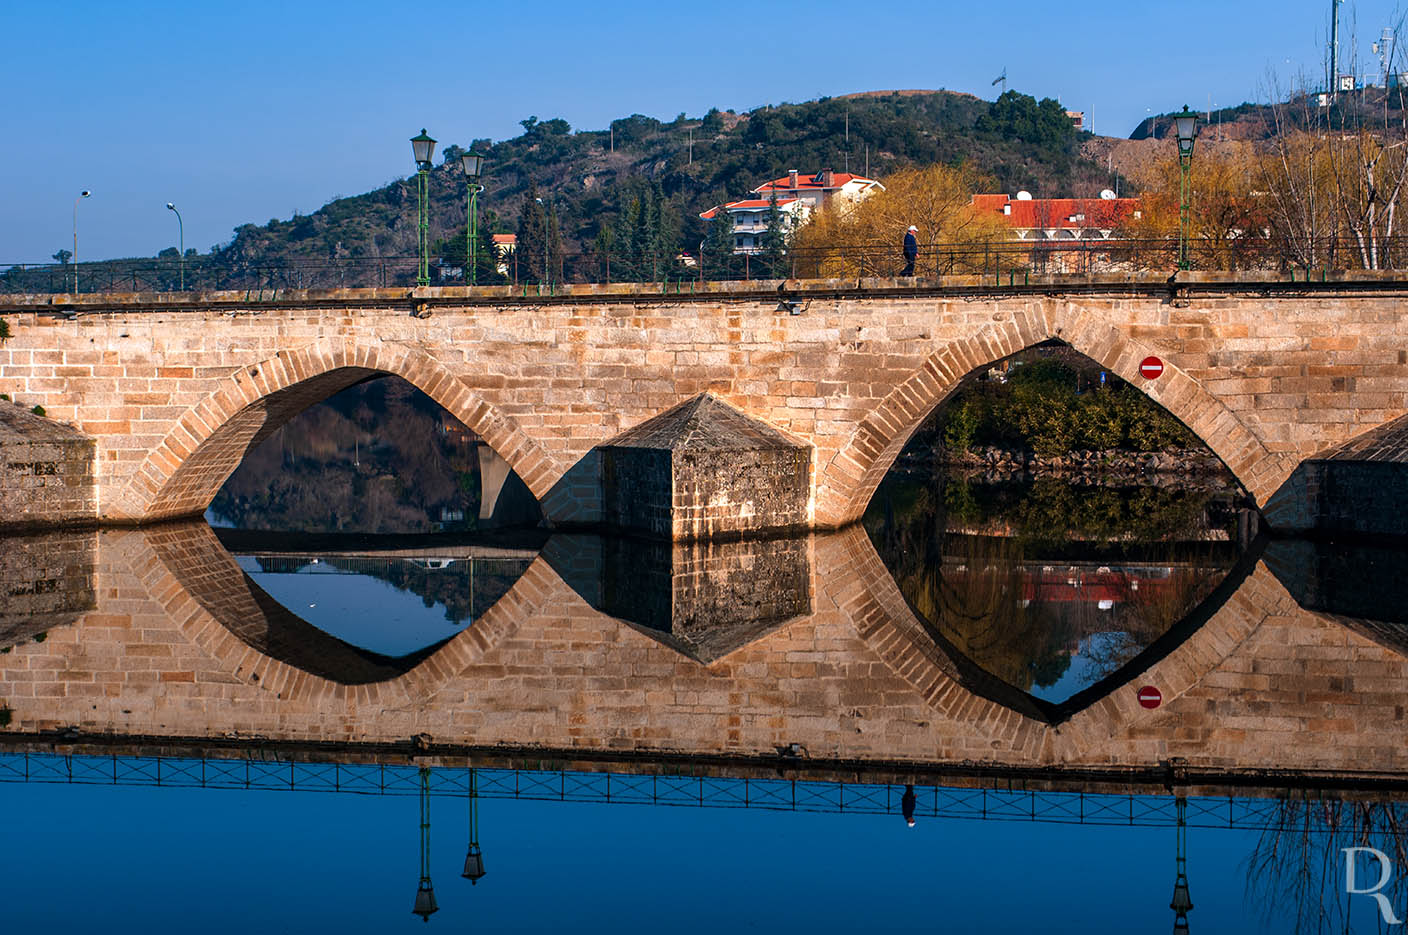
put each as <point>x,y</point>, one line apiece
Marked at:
<point>1358,488</point>
<point>46,581</point>
<point>174,389</point>
<point>46,472</point>
<point>1262,685</point>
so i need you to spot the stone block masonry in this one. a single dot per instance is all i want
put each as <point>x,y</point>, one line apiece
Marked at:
<point>176,648</point>
<point>46,581</point>
<point>46,472</point>
<point>1357,488</point>
<point>703,470</point>
<point>175,389</point>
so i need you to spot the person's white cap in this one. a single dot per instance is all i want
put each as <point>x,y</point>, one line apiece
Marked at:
<point>913,228</point>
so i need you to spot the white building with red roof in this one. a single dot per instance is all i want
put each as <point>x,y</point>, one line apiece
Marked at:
<point>820,189</point>
<point>750,220</point>
<point>797,197</point>
<point>1061,219</point>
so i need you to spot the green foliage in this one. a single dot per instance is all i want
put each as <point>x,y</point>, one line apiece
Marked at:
<point>774,242</point>
<point>533,259</point>
<point>6,715</point>
<point>651,165</point>
<point>63,256</point>
<point>1018,117</point>
<point>38,410</point>
<point>1039,409</point>
<point>718,258</point>
<point>646,235</point>
<point>961,426</point>
<point>40,637</point>
<point>170,253</point>
<point>4,330</point>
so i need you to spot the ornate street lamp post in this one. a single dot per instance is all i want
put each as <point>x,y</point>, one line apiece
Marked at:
<point>1185,127</point>
<point>423,148</point>
<point>181,232</point>
<point>473,164</point>
<point>81,195</point>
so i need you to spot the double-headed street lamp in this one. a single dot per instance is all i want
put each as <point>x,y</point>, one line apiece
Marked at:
<point>423,148</point>
<point>181,231</point>
<point>81,195</point>
<point>1185,127</point>
<point>473,165</point>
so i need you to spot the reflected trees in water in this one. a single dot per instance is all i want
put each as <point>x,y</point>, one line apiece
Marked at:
<point>1297,869</point>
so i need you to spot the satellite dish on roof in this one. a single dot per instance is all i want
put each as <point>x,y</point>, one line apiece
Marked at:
<point>1107,195</point>
<point>1024,196</point>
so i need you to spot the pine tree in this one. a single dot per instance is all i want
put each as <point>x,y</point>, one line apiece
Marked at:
<point>718,258</point>
<point>486,261</point>
<point>532,237</point>
<point>554,247</point>
<point>603,245</point>
<point>774,244</point>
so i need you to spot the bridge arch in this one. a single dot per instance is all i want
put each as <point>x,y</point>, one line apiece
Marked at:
<point>847,481</point>
<point>182,474</point>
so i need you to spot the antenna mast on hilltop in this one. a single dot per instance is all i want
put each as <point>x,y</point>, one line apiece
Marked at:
<point>1384,48</point>
<point>1002,80</point>
<point>1334,85</point>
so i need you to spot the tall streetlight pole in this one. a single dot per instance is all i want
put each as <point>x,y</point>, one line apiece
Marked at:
<point>547,269</point>
<point>1185,127</point>
<point>423,148</point>
<point>473,165</point>
<point>83,194</point>
<point>181,248</point>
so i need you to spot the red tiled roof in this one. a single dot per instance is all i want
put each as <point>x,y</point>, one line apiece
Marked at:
<point>1057,213</point>
<point>746,204</point>
<point>506,238</point>
<point>809,182</point>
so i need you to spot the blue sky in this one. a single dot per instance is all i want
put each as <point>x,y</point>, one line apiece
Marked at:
<point>242,113</point>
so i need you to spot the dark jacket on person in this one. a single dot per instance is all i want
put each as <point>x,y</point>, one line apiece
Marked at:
<point>911,246</point>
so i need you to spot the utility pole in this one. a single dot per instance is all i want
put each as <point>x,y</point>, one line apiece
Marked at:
<point>1335,48</point>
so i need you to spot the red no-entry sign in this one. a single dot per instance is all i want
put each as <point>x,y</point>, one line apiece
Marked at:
<point>1150,368</point>
<point>1150,697</point>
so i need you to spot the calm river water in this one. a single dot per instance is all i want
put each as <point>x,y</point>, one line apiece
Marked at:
<point>1000,704</point>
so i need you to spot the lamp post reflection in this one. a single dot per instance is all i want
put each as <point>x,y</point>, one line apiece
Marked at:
<point>425,905</point>
<point>474,859</point>
<point>1182,902</point>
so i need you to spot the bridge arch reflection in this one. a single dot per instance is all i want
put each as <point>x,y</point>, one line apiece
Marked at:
<point>853,677</point>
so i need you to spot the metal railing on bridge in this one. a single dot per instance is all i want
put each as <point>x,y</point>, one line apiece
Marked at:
<point>566,785</point>
<point>1004,262</point>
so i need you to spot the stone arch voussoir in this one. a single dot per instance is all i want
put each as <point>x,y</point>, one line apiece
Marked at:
<point>847,482</point>
<point>181,475</point>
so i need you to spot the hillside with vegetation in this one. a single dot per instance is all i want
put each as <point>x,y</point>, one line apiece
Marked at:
<point>635,189</point>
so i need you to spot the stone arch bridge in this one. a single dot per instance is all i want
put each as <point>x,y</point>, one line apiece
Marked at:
<point>174,389</point>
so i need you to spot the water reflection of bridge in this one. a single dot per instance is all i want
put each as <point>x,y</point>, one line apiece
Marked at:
<point>1129,804</point>
<point>176,645</point>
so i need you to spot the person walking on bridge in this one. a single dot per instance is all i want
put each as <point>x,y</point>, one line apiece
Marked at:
<point>911,250</point>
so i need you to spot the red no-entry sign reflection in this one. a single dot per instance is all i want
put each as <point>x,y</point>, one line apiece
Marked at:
<point>1150,368</point>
